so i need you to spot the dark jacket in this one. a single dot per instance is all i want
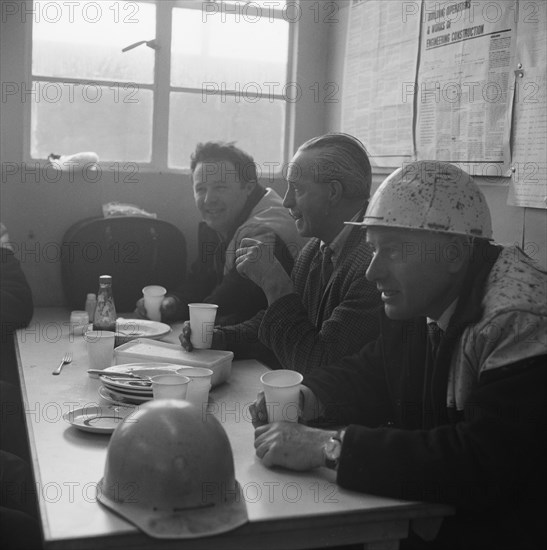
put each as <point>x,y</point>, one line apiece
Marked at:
<point>213,277</point>
<point>487,458</point>
<point>16,308</point>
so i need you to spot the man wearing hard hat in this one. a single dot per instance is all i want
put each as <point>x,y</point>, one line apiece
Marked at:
<point>449,404</point>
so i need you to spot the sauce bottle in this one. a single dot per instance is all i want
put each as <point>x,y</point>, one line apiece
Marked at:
<point>104,317</point>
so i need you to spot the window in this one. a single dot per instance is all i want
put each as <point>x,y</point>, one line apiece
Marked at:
<point>104,80</point>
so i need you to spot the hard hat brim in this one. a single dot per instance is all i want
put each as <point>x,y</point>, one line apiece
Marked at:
<point>184,524</point>
<point>369,223</point>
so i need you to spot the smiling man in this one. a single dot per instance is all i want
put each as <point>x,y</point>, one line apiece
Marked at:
<point>326,308</point>
<point>233,206</point>
<point>449,404</point>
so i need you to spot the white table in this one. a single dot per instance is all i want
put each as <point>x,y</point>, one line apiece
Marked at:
<point>285,509</point>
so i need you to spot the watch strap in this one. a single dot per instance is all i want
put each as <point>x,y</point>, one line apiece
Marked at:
<point>331,461</point>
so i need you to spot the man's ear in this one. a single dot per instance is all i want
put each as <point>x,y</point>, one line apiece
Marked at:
<point>336,191</point>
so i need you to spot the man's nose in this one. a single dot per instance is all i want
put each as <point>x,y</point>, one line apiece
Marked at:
<point>210,196</point>
<point>288,199</point>
<point>375,270</point>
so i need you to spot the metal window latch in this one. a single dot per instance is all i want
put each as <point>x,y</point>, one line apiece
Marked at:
<point>150,43</point>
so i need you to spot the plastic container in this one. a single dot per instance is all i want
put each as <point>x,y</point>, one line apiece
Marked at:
<point>143,350</point>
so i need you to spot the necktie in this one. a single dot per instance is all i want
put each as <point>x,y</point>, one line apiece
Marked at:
<point>434,335</point>
<point>327,266</point>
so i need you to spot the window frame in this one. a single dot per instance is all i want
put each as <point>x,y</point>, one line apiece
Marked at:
<point>161,88</point>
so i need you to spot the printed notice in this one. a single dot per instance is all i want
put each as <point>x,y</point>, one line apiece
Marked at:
<point>464,84</point>
<point>379,78</point>
<point>529,136</point>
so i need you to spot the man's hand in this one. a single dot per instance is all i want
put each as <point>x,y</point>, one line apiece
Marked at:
<point>184,337</point>
<point>291,445</point>
<point>256,261</point>
<point>168,308</point>
<point>140,310</point>
<point>259,411</point>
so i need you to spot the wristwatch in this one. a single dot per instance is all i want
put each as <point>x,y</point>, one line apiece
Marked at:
<point>333,449</point>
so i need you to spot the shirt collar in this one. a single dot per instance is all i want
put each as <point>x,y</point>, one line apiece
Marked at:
<point>445,317</point>
<point>339,241</point>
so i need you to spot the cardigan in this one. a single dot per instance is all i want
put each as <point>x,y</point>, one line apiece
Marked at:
<point>311,327</point>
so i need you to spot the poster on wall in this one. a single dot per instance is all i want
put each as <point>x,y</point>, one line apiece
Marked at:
<point>379,78</point>
<point>464,84</point>
<point>529,134</point>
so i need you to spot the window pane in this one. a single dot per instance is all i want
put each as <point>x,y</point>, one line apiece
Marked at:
<point>84,40</point>
<point>258,127</point>
<point>228,50</point>
<point>268,4</point>
<point>115,122</point>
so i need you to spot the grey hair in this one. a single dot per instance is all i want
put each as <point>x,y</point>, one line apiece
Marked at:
<point>344,158</point>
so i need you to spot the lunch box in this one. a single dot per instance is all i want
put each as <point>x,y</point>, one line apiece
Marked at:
<point>143,350</point>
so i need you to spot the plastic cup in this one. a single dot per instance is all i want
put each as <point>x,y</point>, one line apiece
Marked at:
<point>200,384</point>
<point>170,386</point>
<point>282,393</point>
<point>79,321</point>
<point>100,349</point>
<point>153,296</point>
<point>202,323</point>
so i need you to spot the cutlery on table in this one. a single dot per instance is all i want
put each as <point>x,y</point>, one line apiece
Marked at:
<point>67,358</point>
<point>115,375</point>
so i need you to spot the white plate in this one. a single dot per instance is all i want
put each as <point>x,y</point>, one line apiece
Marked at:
<point>98,419</point>
<point>127,385</point>
<point>122,391</point>
<point>122,399</point>
<point>131,329</point>
<point>142,369</point>
<point>127,391</point>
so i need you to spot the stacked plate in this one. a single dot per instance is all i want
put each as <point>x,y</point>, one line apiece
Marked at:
<point>131,329</point>
<point>124,390</point>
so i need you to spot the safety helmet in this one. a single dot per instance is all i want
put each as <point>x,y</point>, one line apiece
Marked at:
<point>170,471</point>
<point>432,196</point>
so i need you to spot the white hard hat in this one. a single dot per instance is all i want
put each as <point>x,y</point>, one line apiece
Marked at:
<point>170,471</point>
<point>432,196</point>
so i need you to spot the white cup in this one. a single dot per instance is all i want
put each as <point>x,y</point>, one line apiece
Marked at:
<point>202,323</point>
<point>153,296</point>
<point>169,386</point>
<point>200,384</point>
<point>79,320</point>
<point>282,393</point>
<point>100,348</point>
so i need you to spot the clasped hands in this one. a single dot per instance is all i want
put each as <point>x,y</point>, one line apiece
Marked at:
<point>291,445</point>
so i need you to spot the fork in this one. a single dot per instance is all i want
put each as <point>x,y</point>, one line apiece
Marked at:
<point>67,358</point>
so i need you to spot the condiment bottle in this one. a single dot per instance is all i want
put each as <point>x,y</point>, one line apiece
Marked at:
<point>90,305</point>
<point>104,317</point>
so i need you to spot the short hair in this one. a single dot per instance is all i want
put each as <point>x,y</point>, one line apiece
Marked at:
<point>218,151</point>
<point>343,158</point>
